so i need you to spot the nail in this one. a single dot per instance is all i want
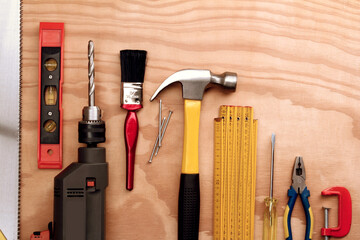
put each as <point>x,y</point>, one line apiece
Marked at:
<point>156,142</point>
<point>163,131</point>
<point>160,122</point>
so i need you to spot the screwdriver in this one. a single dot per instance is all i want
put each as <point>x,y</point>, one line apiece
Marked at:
<point>270,221</point>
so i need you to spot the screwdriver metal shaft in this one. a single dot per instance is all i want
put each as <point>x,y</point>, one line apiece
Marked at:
<point>272,165</point>
<point>270,221</point>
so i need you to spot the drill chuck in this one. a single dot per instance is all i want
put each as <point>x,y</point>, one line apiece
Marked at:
<point>92,133</point>
<point>91,128</point>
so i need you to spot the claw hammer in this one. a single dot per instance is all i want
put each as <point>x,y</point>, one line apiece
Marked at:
<point>194,82</point>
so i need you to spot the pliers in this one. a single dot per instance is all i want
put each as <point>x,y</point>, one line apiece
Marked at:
<point>298,187</point>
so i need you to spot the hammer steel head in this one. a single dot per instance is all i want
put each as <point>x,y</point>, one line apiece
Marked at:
<point>194,82</point>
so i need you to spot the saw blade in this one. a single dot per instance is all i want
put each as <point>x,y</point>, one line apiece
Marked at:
<point>10,63</point>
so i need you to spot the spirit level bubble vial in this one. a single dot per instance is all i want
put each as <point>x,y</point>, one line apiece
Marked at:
<point>51,58</point>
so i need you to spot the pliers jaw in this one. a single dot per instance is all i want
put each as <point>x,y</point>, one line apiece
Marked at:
<point>298,188</point>
<point>299,176</point>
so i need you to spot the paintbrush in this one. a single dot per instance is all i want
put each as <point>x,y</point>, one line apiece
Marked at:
<point>132,78</point>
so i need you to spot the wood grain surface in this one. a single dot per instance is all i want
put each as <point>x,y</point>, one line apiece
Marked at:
<point>297,64</point>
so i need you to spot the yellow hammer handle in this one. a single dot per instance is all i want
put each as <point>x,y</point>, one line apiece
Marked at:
<point>190,162</point>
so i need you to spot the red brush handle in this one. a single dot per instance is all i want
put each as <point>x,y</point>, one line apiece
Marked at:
<point>131,133</point>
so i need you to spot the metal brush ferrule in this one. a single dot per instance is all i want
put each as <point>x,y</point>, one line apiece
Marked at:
<point>131,93</point>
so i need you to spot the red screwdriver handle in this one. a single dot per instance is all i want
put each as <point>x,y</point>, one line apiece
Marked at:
<point>131,133</point>
<point>345,212</point>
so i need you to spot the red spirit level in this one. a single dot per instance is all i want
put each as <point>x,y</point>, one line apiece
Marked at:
<point>51,59</point>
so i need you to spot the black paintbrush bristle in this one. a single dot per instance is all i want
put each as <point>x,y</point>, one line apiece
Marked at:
<point>132,65</point>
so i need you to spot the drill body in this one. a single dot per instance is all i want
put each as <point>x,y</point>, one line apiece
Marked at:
<point>79,197</point>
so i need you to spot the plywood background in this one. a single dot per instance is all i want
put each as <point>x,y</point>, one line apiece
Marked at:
<point>298,66</point>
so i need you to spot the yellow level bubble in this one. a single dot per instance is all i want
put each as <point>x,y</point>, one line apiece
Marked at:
<point>50,126</point>
<point>50,95</point>
<point>51,64</point>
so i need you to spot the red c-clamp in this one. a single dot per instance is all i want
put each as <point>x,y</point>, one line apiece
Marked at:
<point>345,209</point>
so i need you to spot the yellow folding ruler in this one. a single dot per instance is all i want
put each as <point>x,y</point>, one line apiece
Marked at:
<point>234,173</point>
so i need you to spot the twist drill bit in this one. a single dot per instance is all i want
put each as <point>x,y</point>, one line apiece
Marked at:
<point>91,73</point>
<point>91,113</point>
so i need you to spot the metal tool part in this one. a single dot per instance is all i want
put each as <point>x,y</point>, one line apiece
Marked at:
<point>344,212</point>
<point>299,175</point>
<point>91,112</point>
<point>272,175</point>
<point>163,131</point>
<point>131,93</point>
<point>160,113</point>
<point>326,220</point>
<point>194,82</point>
<point>270,216</point>
<point>156,141</point>
<point>10,108</point>
<point>272,164</point>
<point>91,73</point>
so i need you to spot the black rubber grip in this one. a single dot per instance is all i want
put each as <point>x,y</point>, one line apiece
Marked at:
<point>91,133</point>
<point>189,207</point>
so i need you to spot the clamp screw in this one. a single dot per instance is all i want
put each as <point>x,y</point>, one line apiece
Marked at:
<point>326,214</point>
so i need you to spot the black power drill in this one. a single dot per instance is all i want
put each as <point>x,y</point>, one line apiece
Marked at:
<point>79,190</point>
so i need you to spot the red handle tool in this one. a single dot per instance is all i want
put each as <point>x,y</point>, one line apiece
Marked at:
<point>132,64</point>
<point>345,209</point>
<point>131,130</point>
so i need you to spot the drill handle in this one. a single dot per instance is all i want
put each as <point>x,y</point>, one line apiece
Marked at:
<point>95,215</point>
